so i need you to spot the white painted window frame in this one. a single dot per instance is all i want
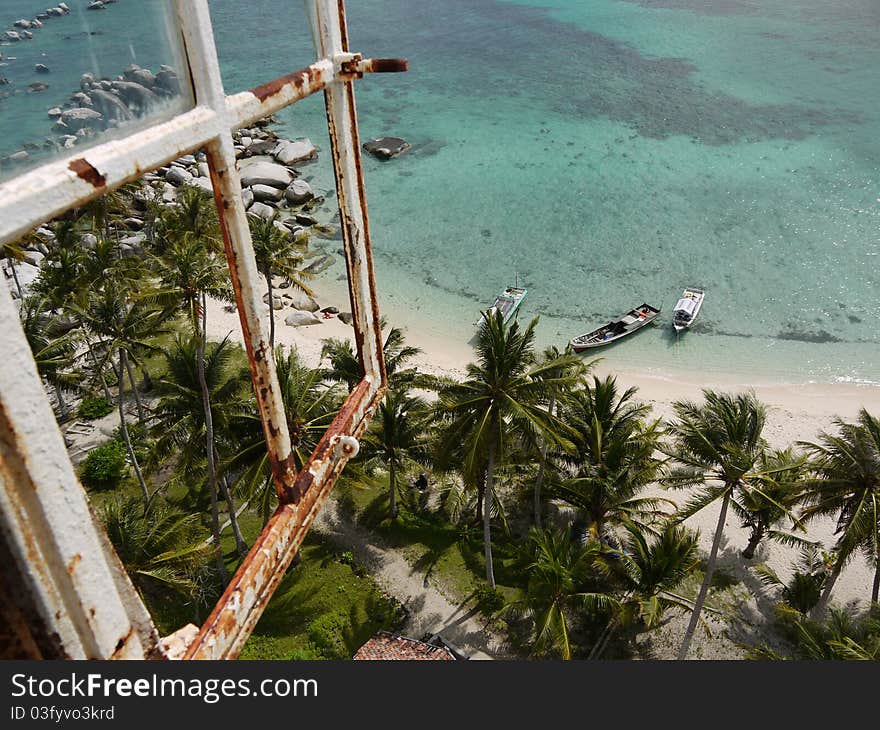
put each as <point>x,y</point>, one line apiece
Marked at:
<point>86,606</point>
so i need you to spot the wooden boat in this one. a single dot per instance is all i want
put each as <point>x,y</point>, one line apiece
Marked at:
<point>630,322</point>
<point>507,302</point>
<point>687,308</point>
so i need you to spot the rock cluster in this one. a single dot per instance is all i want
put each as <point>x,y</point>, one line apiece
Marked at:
<point>272,189</point>
<point>103,103</point>
<point>23,29</point>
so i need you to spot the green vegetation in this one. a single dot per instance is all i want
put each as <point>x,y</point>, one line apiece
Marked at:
<point>105,466</point>
<point>521,490</point>
<point>323,609</point>
<point>93,408</point>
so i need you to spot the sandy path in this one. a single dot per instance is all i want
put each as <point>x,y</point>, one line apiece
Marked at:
<point>429,611</point>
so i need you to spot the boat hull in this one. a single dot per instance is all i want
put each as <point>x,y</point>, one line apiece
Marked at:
<point>628,324</point>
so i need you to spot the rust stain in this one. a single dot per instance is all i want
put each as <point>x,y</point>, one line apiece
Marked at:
<point>304,80</point>
<point>120,645</point>
<point>86,171</point>
<point>74,561</point>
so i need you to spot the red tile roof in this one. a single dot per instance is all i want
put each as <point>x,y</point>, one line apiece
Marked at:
<point>384,646</point>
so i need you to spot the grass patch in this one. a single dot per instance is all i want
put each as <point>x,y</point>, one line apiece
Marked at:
<point>451,554</point>
<point>323,610</point>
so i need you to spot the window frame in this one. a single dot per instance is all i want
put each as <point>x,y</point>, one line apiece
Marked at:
<point>62,589</point>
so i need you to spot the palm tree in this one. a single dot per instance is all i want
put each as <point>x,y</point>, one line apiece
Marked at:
<point>193,218</point>
<point>122,327</point>
<point>276,251</point>
<point>397,438</point>
<point>345,368</point>
<point>162,550</point>
<point>310,406</point>
<point>842,637</point>
<point>847,485</point>
<point>568,371</point>
<point>718,445</point>
<point>180,418</point>
<point>766,501</point>
<point>52,348</point>
<point>14,253</point>
<point>555,590</point>
<point>613,460</point>
<point>503,395</point>
<point>189,273</point>
<point>804,588</point>
<point>649,572</point>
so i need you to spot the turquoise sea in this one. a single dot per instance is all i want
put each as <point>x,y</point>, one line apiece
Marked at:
<point>603,152</point>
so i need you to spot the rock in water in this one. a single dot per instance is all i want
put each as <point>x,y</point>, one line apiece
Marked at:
<point>110,105</point>
<point>81,118</point>
<point>260,172</point>
<point>41,68</point>
<point>261,210</point>
<point>289,153</point>
<point>301,319</point>
<point>299,191</point>
<point>136,95</point>
<point>265,193</point>
<point>387,147</point>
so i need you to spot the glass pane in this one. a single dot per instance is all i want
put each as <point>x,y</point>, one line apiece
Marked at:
<point>260,40</point>
<point>83,72</point>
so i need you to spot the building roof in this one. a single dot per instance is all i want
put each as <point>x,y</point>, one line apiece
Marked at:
<point>387,646</point>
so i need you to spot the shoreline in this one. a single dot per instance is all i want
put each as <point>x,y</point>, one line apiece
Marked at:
<point>796,412</point>
<point>814,403</point>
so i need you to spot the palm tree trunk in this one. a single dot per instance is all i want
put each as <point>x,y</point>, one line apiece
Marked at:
<point>123,427</point>
<point>268,274</point>
<point>707,580</point>
<point>209,447</point>
<point>64,410</point>
<point>98,370</point>
<point>481,493</point>
<point>392,490</point>
<point>754,540</point>
<point>12,265</point>
<point>487,512</point>
<point>134,389</point>
<point>875,589</point>
<point>539,481</point>
<point>821,608</point>
<point>240,543</point>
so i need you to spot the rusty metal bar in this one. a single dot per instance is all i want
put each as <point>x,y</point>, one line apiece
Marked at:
<point>57,186</point>
<point>247,107</point>
<point>39,195</point>
<point>85,605</point>
<point>208,86</point>
<point>331,34</point>
<point>238,610</point>
<point>227,628</point>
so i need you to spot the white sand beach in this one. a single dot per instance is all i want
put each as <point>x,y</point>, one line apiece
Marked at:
<point>796,412</point>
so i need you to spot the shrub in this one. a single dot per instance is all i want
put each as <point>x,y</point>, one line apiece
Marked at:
<point>346,558</point>
<point>104,466</point>
<point>304,654</point>
<point>326,633</point>
<point>92,408</point>
<point>490,600</point>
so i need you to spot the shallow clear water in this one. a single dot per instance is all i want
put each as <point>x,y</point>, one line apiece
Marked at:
<point>612,152</point>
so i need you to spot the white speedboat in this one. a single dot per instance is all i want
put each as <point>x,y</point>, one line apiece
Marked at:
<point>687,309</point>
